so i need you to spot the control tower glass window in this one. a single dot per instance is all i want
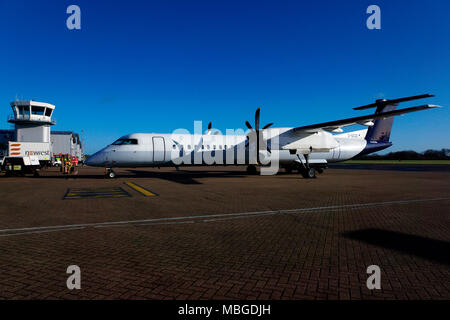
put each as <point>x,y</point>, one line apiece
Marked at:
<point>23,110</point>
<point>48,112</point>
<point>125,142</point>
<point>37,110</point>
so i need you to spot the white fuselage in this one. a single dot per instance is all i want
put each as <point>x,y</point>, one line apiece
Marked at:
<point>158,150</point>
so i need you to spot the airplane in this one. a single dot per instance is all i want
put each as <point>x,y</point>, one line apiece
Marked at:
<point>307,149</point>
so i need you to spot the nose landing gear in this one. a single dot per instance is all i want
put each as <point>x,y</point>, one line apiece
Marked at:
<point>110,173</point>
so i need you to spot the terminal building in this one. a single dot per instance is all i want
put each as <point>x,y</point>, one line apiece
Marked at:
<point>32,121</point>
<point>66,142</point>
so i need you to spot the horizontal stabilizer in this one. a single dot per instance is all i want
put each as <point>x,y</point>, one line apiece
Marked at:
<point>333,125</point>
<point>385,102</point>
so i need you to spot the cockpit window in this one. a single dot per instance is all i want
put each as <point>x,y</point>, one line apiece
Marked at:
<point>125,142</point>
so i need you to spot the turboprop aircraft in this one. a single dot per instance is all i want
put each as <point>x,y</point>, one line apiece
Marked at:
<point>307,148</point>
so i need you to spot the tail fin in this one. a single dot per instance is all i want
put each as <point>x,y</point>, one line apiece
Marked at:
<point>381,130</point>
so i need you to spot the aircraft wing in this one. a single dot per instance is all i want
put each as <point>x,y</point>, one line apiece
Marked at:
<point>363,120</point>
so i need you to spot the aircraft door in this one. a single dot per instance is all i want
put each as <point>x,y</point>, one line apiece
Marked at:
<point>159,149</point>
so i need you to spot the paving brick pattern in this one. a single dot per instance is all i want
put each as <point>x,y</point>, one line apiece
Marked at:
<point>307,255</point>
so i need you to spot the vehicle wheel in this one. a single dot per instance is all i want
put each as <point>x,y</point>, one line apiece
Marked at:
<point>319,170</point>
<point>288,169</point>
<point>111,174</point>
<point>251,169</point>
<point>309,173</point>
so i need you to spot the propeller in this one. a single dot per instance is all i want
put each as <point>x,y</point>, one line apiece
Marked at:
<point>209,128</point>
<point>257,117</point>
<point>209,131</point>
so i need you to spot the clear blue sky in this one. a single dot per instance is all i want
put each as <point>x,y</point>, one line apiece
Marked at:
<point>154,66</point>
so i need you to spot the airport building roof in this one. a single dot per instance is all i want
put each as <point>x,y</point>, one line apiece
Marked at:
<point>31,103</point>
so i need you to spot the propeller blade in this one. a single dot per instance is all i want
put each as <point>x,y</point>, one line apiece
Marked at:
<point>209,128</point>
<point>258,111</point>
<point>248,125</point>
<point>267,125</point>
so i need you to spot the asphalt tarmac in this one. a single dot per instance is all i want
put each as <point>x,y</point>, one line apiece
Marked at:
<point>218,233</point>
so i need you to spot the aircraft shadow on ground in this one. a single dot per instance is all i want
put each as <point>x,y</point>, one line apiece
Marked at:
<point>426,248</point>
<point>189,177</point>
<point>181,176</point>
<point>186,177</point>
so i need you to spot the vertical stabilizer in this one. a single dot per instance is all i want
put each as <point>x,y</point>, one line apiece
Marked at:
<point>381,130</point>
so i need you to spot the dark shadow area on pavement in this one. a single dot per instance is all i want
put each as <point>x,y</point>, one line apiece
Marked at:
<point>426,248</point>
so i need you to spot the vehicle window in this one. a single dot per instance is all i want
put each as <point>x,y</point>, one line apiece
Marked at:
<point>125,142</point>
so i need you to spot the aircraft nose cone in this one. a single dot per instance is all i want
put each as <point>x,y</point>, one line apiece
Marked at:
<point>94,160</point>
<point>88,161</point>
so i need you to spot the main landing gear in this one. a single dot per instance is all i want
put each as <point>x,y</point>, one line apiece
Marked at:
<point>309,173</point>
<point>306,170</point>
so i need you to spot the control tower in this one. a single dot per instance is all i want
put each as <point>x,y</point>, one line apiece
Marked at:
<point>32,120</point>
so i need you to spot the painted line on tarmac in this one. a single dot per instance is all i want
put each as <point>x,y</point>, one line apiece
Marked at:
<point>141,190</point>
<point>202,218</point>
<point>95,193</point>
<point>34,232</point>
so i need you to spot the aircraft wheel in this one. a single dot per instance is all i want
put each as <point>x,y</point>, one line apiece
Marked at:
<point>111,174</point>
<point>309,173</point>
